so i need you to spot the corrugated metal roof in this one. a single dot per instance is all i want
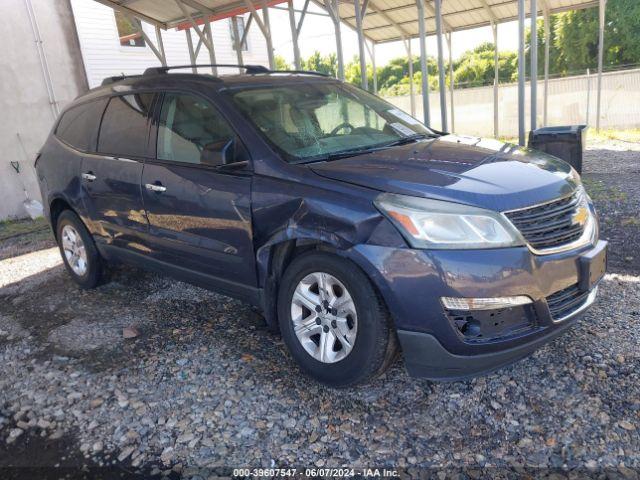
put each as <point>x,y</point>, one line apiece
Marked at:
<point>385,21</point>
<point>389,20</point>
<point>167,13</point>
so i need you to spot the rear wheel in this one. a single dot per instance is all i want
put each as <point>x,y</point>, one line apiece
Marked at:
<point>79,253</point>
<point>333,321</point>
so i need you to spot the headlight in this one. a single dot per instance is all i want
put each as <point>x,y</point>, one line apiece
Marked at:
<point>574,177</point>
<point>434,224</point>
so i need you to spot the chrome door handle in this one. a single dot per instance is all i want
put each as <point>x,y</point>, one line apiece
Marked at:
<point>90,177</point>
<point>155,188</point>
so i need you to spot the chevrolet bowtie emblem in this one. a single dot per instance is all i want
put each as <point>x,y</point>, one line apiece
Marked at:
<point>581,215</point>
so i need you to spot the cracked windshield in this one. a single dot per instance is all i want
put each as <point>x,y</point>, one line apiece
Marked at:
<point>320,121</point>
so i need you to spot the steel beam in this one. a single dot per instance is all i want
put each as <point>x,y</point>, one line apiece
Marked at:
<point>441,75</point>
<point>412,93</point>
<point>303,13</point>
<point>451,80</point>
<point>294,35</point>
<point>148,41</point>
<point>208,30</point>
<point>521,74</point>
<point>547,40</point>
<point>161,46</point>
<point>364,81</point>
<point>602,18</point>
<point>423,61</point>
<point>192,53</point>
<point>371,50</point>
<point>496,82</point>
<point>332,9</point>
<point>193,23</point>
<point>534,64</point>
<point>236,35</point>
<point>268,38</point>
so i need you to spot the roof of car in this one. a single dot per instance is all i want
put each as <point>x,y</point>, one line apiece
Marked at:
<point>156,78</point>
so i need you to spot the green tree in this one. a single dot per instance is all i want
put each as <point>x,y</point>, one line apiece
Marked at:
<point>281,63</point>
<point>327,64</point>
<point>476,67</point>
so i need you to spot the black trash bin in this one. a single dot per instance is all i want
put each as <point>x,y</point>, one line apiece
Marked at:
<point>566,143</point>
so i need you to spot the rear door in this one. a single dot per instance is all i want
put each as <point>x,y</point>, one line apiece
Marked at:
<point>197,193</point>
<point>111,177</point>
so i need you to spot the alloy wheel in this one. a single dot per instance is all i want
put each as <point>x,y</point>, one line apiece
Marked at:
<point>74,250</point>
<point>324,317</point>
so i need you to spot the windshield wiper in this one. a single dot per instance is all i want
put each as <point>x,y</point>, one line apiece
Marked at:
<point>375,148</point>
<point>409,139</point>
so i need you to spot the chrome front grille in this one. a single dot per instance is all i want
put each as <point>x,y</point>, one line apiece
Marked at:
<point>565,302</point>
<point>554,223</point>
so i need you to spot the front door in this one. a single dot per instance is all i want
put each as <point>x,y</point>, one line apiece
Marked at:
<point>197,194</point>
<point>111,177</point>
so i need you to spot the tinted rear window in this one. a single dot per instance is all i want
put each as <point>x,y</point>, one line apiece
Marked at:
<point>78,126</point>
<point>124,125</point>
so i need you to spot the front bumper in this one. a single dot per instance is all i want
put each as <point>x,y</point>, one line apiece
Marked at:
<point>413,281</point>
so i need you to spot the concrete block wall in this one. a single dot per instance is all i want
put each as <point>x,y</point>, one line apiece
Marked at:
<point>24,102</point>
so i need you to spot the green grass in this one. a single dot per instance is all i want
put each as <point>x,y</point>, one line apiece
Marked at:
<point>598,191</point>
<point>13,228</point>
<point>631,135</point>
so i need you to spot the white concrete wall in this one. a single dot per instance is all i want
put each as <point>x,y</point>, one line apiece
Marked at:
<point>24,103</point>
<point>104,56</point>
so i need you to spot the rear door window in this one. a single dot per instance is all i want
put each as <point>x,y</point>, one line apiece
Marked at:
<point>79,125</point>
<point>125,125</point>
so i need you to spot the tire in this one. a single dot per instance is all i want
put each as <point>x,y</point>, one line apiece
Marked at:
<point>90,275</point>
<point>362,346</point>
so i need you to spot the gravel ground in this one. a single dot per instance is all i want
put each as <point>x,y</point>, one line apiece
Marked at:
<point>203,385</point>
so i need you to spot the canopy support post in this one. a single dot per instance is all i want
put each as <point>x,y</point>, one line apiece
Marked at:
<point>602,11</point>
<point>423,61</point>
<point>192,53</point>
<point>364,81</point>
<point>267,35</point>
<point>375,71</point>
<point>534,64</point>
<point>264,25</point>
<point>210,47</point>
<point>148,41</point>
<point>332,9</point>
<point>521,73</point>
<point>163,58</point>
<point>496,81</point>
<point>441,74</point>
<point>449,37</point>
<point>547,39</point>
<point>294,35</point>
<point>371,50</point>
<point>412,93</point>
<point>237,42</point>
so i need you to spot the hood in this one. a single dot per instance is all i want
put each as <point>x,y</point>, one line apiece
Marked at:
<point>484,173</point>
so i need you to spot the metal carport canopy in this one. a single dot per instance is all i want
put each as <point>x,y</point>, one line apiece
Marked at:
<point>168,14</point>
<point>385,20</point>
<point>390,20</point>
<point>378,21</point>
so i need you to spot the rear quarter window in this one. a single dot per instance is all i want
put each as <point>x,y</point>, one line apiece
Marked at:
<point>125,125</point>
<point>78,126</point>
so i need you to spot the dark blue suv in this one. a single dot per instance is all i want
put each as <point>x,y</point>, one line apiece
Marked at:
<point>356,230</point>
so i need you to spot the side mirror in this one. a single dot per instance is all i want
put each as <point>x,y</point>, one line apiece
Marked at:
<point>218,153</point>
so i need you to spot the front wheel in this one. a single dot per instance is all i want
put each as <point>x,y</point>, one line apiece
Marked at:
<point>333,321</point>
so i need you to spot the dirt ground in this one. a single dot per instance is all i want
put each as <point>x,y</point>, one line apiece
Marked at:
<point>204,386</point>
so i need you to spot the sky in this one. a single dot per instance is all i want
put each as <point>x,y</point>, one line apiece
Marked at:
<point>318,34</point>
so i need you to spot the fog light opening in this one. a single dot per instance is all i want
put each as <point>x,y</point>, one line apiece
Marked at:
<point>493,303</point>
